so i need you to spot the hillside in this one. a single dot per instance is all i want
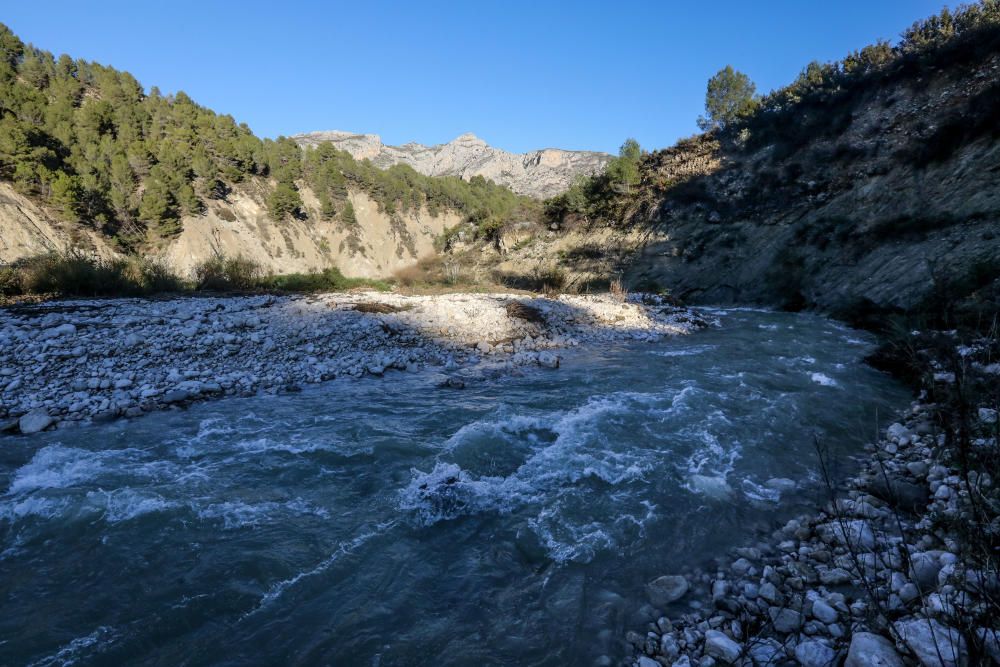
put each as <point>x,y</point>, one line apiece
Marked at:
<point>872,190</point>
<point>541,174</point>
<point>90,161</point>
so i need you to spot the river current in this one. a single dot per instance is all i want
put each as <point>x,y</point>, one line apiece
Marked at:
<point>388,521</point>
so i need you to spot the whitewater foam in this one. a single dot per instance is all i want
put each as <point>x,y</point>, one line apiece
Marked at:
<point>823,379</point>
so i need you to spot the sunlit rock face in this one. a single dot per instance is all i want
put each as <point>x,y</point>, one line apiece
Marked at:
<point>542,173</point>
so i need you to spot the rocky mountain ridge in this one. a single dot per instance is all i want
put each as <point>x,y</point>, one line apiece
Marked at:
<point>542,173</point>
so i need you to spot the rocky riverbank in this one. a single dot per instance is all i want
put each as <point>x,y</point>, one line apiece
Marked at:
<point>897,569</point>
<point>73,362</point>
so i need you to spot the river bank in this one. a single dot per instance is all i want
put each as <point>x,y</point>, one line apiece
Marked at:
<point>896,569</point>
<point>65,363</point>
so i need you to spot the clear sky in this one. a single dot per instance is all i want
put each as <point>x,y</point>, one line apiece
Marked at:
<point>521,75</point>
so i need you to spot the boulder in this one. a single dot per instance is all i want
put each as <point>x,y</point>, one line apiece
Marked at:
<point>785,620</point>
<point>824,612</point>
<point>35,421</point>
<point>176,396</point>
<point>934,644</point>
<point>667,589</point>
<point>870,650</point>
<point>901,493</point>
<point>924,570</point>
<point>855,533</point>
<point>719,646</point>
<point>814,653</point>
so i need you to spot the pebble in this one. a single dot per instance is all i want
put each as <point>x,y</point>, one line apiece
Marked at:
<point>99,359</point>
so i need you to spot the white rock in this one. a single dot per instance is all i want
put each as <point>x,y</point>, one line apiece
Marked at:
<point>666,589</point>
<point>814,653</point>
<point>35,421</point>
<point>934,644</point>
<point>718,645</point>
<point>824,612</point>
<point>870,650</point>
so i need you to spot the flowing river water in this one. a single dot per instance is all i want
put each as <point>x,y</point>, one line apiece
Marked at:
<point>391,522</point>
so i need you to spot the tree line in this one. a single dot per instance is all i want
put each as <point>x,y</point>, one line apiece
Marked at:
<point>90,142</point>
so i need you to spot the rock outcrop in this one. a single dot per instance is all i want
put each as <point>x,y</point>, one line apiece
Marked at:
<point>885,208</point>
<point>376,246</point>
<point>542,173</point>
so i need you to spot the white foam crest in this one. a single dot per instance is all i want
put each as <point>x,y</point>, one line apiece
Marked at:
<point>567,542</point>
<point>502,425</point>
<point>448,491</point>
<point>34,506</point>
<point>60,467</point>
<point>713,486</point>
<point>754,491</point>
<point>343,549</point>
<point>238,514</point>
<point>823,379</point>
<point>76,650</point>
<point>264,444</point>
<point>56,467</point>
<point>126,503</point>
<point>685,352</point>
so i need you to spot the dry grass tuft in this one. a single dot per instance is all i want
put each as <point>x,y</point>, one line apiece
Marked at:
<point>522,311</point>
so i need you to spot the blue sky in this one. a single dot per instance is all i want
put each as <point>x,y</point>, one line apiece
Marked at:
<point>521,75</point>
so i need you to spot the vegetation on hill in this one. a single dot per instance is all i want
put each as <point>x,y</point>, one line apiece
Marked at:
<point>819,103</point>
<point>79,275</point>
<point>88,141</point>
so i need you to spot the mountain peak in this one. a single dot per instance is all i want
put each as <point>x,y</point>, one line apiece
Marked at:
<point>468,138</point>
<point>542,173</point>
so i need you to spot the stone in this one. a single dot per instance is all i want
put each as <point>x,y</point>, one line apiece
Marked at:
<point>647,662</point>
<point>814,653</point>
<point>991,642</point>
<point>766,651</point>
<point>176,396</point>
<point>35,421</point>
<point>834,576</point>
<point>785,620</point>
<point>871,650</point>
<point>548,360</point>
<point>934,644</point>
<point>924,570</point>
<point>769,593</point>
<point>56,332</point>
<point>855,533</point>
<point>718,645</point>
<point>667,589</point>
<point>901,493</point>
<point>824,612</point>
<point>988,415</point>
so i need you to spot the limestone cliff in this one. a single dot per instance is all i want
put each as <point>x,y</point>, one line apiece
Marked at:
<point>542,173</point>
<point>375,246</point>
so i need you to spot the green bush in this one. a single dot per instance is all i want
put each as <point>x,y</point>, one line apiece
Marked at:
<point>328,280</point>
<point>10,281</point>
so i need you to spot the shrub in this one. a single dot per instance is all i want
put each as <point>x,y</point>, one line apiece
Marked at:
<point>76,274</point>
<point>224,274</point>
<point>328,280</point>
<point>10,281</point>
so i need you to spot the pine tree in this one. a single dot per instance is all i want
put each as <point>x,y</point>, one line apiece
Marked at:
<point>730,95</point>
